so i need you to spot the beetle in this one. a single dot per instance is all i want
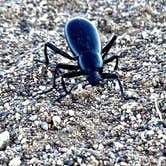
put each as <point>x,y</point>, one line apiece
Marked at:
<point>85,44</point>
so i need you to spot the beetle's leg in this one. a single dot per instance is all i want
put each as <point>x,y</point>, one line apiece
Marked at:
<point>110,60</point>
<point>64,85</point>
<point>53,86</point>
<point>68,75</point>
<point>115,76</point>
<point>108,46</point>
<point>66,66</point>
<point>56,50</point>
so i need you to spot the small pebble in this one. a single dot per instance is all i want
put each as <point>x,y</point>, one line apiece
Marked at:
<point>44,125</point>
<point>26,102</point>
<point>42,87</point>
<point>4,139</point>
<point>7,106</point>
<point>59,162</point>
<point>71,113</point>
<point>47,147</point>
<point>33,117</point>
<point>144,34</point>
<point>56,120</point>
<point>18,148</point>
<point>118,145</point>
<point>151,52</point>
<point>49,74</point>
<point>100,147</point>
<point>137,77</point>
<point>93,160</point>
<point>24,140</point>
<point>15,162</point>
<point>68,162</point>
<point>37,123</point>
<point>33,161</point>
<point>150,132</point>
<point>138,116</point>
<point>17,116</point>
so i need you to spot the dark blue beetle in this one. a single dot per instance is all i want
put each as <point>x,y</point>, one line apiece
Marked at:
<point>84,42</point>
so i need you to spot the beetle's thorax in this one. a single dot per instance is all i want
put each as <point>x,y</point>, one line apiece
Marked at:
<point>90,61</point>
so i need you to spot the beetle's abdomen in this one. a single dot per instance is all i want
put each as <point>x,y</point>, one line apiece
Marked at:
<point>82,36</point>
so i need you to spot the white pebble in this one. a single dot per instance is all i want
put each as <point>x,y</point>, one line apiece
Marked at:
<point>138,116</point>
<point>71,113</point>
<point>117,86</point>
<point>155,70</point>
<point>56,120</point>
<point>73,81</point>
<point>93,160</point>
<point>151,52</point>
<point>33,117</point>
<point>59,162</point>
<point>49,74</point>
<point>142,135</point>
<point>23,141</point>
<point>15,162</point>
<point>33,161</point>
<point>132,118</point>
<point>144,34</point>
<point>79,87</point>
<point>100,147</point>
<point>26,102</point>
<point>95,146</point>
<point>42,87</point>
<point>7,106</point>
<point>48,147</point>
<point>118,145</point>
<point>17,116</point>
<point>127,37</point>
<point>150,132</point>
<point>37,123</point>
<point>4,139</point>
<point>137,77</point>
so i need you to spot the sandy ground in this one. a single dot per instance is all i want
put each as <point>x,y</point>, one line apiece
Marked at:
<point>93,125</point>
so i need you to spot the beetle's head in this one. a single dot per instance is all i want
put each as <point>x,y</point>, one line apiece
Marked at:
<point>94,78</point>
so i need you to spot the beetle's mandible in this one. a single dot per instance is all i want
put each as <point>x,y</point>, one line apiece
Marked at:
<point>85,44</point>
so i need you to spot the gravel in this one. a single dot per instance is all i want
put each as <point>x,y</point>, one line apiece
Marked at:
<point>93,125</point>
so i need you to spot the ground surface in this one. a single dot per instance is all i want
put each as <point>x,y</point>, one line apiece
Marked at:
<point>92,126</point>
